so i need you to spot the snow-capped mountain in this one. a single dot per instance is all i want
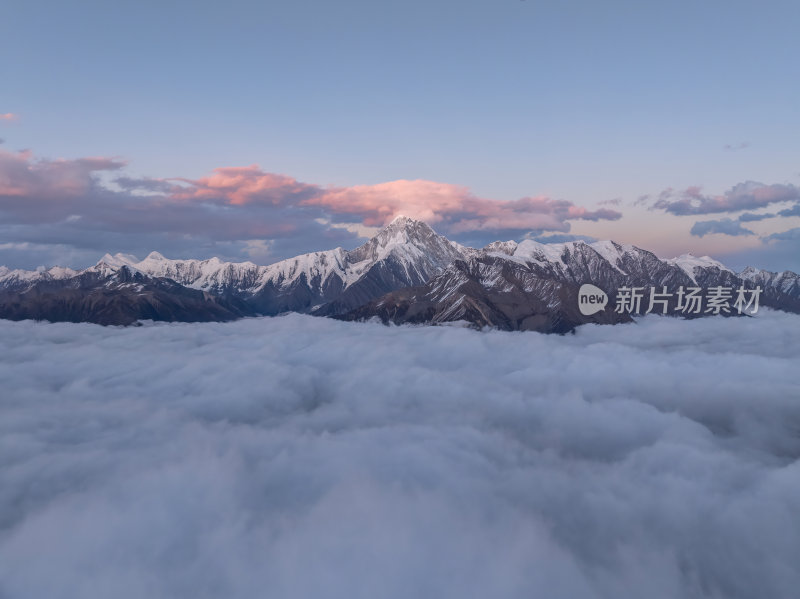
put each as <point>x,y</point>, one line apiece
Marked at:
<point>113,294</point>
<point>781,289</point>
<point>405,253</point>
<point>212,275</point>
<point>534,286</point>
<point>21,279</point>
<point>487,289</point>
<point>406,273</point>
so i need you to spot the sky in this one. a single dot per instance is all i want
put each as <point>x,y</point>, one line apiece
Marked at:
<point>260,130</point>
<point>656,459</point>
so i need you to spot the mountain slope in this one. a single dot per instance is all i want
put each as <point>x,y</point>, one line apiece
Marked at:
<point>22,279</point>
<point>781,289</point>
<point>534,286</point>
<point>115,295</point>
<point>487,290</point>
<point>405,253</point>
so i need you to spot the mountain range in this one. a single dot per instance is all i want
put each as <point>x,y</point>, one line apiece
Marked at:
<point>407,273</point>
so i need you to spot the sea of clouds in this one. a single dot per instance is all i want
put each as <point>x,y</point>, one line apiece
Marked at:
<point>302,457</point>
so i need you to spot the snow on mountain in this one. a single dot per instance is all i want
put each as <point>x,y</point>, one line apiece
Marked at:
<point>18,278</point>
<point>613,252</point>
<point>116,294</point>
<point>534,286</point>
<point>530,251</point>
<point>492,289</point>
<point>533,251</point>
<point>314,266</point>
<point>409,243</point>
<point>785,282</point>
<point>501,247</point>
<point>689,263</point>
<point>118,259</point>
<point>103,269</point>
<point>406,252</point>
<point>212,275</point>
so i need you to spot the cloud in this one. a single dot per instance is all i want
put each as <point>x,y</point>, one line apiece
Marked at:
<point>453,207</point>
<point>146,184</point>
<point>71,201</point>
<point>751,217</point>
<point>778,250</point>
<point>22,176</point>
<point>749,195</point>
<point>8,116</point>
<point>563,238</point>
<point>724,226</point>
<point>790,235</point>
<point>66,204</point>
<point>244,185</point>
<point>736,147</point>
<point>268,457</point>
<point>793,211</point>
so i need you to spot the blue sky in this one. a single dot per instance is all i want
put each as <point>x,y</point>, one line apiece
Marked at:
<point>582,102</point>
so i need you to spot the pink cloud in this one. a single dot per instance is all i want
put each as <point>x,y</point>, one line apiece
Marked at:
<point>454,207</point>
<point>379,204</point>
<point>240,185</point>
<point>9,116</point>
<point>68,200</point>
<point>23,176</point>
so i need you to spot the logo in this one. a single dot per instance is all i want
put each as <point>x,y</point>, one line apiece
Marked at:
<point>591,299</point>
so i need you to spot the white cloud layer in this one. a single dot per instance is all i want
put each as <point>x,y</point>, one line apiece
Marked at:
<point>302,457</point>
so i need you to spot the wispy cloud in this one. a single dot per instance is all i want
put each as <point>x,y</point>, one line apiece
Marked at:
<point>8,116</point>
<point>793,211</point>
<point>736,147</point>
<point>749,195</point>
<point>42,181</point>
<point>790,235</point>
<point>725,226</point>
<point>748,217</point>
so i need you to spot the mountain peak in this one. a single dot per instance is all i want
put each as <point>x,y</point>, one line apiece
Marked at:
<point>117,259</point>
<point>155,256</point>
<point>404,222</point>
<point>402,230</point>
<point>408,240</point>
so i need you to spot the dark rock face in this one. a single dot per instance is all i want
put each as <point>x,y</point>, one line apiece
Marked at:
<point>781,289</point>
<point>299,295</point>
<point>121,298</point>
<point>384,276</point>
<point>488,291</point>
